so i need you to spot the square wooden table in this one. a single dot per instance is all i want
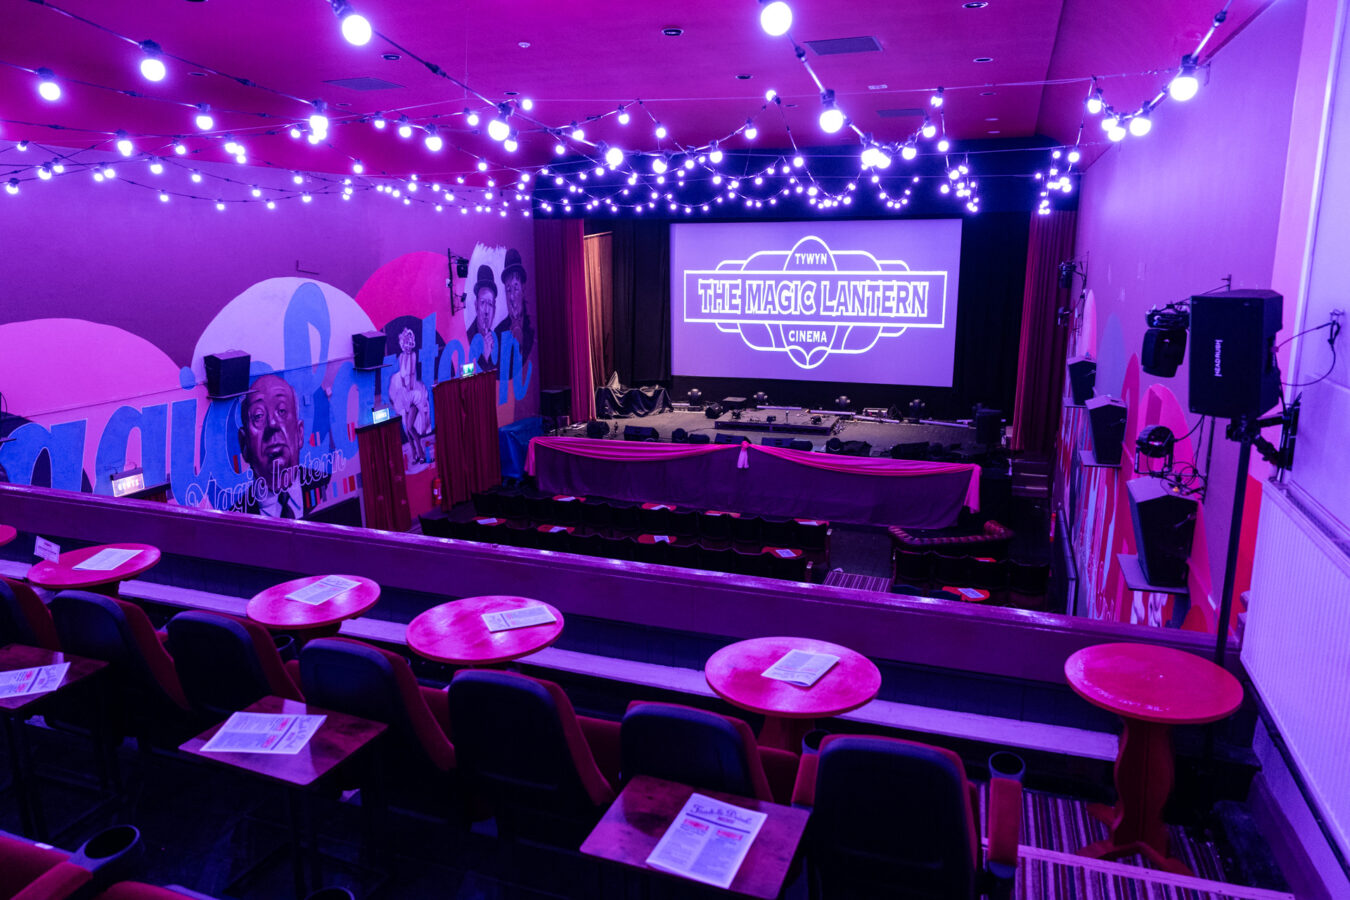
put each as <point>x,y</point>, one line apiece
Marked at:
<point>638,818</point>
<point>339,739</point>
<point>17,710</point>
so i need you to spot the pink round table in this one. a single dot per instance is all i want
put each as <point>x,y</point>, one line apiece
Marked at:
<point>62,574</point>
<point>977,595</point>
<point>455,633</point>
<point>7,534</point>
<point>1151,688</point>
<point>274,609</point>
<point>782,552</point>
<point>736,674</point>
<point>669,506</point>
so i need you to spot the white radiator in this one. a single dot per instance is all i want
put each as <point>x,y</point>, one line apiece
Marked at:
<point>1296,649</point>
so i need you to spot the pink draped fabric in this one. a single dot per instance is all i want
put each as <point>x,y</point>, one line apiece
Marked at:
<point>624,451</point>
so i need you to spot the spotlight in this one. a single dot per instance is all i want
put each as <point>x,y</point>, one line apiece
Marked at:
<point>917,408</point>
<point>355,27</point>
<point>49,88</point>
<point>760,399</point>
<point>695,398</point>
<point>1155,442</point>
<point>775,18</point>
<point>1185,85</point>
<point>1066,272</point>
<point>831,119</point>
<point>1165,340</point>
<point>152,67</point>
<point>124,145</point>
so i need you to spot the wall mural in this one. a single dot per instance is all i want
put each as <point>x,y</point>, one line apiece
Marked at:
<point>85,401</point>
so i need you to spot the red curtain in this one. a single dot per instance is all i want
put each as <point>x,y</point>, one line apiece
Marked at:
<point>565,348</point>
<point>468,457</point>
<point>1040,365</point>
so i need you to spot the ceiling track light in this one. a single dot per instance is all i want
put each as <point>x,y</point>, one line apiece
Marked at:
<point>152,67</point>
<point>355,27</point>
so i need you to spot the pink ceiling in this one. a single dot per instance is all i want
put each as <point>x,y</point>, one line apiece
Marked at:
<point>583,59</point>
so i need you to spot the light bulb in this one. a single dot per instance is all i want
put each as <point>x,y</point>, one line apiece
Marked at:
<point>378,122</point>
<point>715,154</point>
<point>152,67</point>
<point>49,88</point>
<point>1185,85</point>
<point>1110,122</point>
<point>1074,156</point>
<point>929,129</point>
<point>1094,102</point>
<point>798,162</point>
<point>355,27</point>
<point>1116,133</point>
<point>1140,124</point>
<point>613,156</point>
<point>271,204</point>
<point>295,132</point>
<point>661,132</point>
<point>12,186</point>
<point>357,167</point>
<point>306,198</point>
<point>220,206</point>
<point>318,120</point>
<point>578,133</point>
<point>944,145</point>
<point>770,95</point>
<point>870,156</point>
<point>512,142</point>
<point>204,121</point>
<point>257,192</point>
<point>831,119</point>
<point>156,167</point>
<point>659,165</point>
<point>434,142</point>
<point>470,118</point>
<point>109,172</point>
<point>526,104</point>
<point>45,172</point>
<point>180,148</point>
<point>297,178</point>
<point>163,197</point>
<point>936,99</point>
<point>404,127</point>
<point>909,151</point>
<point>482,165</point>
<point>559,149</point>
<point>498,130</point>
<point>624,117</point>
<point>775,18</point>
<point>751,132</point>
<point>196,177</point>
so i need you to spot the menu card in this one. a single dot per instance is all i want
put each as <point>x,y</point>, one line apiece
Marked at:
<point>782,552</point>
<point>487,521</point>
<point>107,559</point>
<point>801,667</point>
<point>554,529</point>
<point>972,593</point>
<point>45,549</point>
<point>246,732</point>
<point>518,618</point>
<point>323,590</point>
<point>708,841</point>
<point>39,680</point>
<point>662,539</point>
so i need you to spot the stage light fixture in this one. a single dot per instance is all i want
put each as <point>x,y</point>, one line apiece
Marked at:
<point>152,67</point>
<point>1165,339</point>
<point>1185,85</point>
<point>760,398</point>
<point>775,17</point>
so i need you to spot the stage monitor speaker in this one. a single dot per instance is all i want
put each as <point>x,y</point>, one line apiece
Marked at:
<point>768,441</point>
<point>226,373</point>
<point>555,403</point>
<point>713,410</point>
<point>988,427</point>
<point>368,350</point>
<point>724,438</point>
<point>1082,379</point>
<point>1164,528</point>
<point>640,433</point>
<point>1107,419</point>
<point>1233,370</point>
<point>596,429</point>
<point>734,403</point>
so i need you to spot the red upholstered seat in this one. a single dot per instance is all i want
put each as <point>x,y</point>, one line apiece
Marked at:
<point>705,750</point>
<point>991,539</point>
<point>548,772</point>
<point>24,618</point>
<point>887,811</point>
<point>33,872</point>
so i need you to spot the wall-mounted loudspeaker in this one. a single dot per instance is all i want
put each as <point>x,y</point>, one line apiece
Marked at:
<point>555,402</point>
<point>1233,370</point>
<point>1082,379</point>
<point>1107,419</point>
<point>988,427</point>
<point>462,268</point>
<point>1164,527</point>
<point>226,373</point>
<point>368,350</point>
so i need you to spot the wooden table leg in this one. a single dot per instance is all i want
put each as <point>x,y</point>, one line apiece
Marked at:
<point>1144,777</point>
<point>785,734</point>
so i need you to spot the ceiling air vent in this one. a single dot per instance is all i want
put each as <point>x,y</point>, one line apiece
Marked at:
<point>364,83</point>
<point>835,46</point>
<point>899,113</point>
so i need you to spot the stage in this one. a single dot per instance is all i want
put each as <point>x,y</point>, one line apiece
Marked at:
<point>881,435</point>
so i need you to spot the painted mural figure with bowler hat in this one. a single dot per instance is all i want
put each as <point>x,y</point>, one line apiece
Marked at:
<point>517,320</point>
<point>485,310</point>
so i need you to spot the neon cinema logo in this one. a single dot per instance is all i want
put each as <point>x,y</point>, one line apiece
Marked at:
<point>810,302</point>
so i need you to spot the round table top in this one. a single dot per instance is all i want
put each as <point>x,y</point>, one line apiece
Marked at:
<point>62,574</point>
<point>782,552</point>
<point>736,674</point>
<point>454,632</point>
<point>7,534</point>
<point>274,609</point>
<point>1153,683</point>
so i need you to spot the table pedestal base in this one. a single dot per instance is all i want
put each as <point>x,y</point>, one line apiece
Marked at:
<point>1144,773</point>
<point>785,734</point>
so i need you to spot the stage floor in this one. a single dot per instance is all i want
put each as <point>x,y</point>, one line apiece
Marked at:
<point>881,435</point>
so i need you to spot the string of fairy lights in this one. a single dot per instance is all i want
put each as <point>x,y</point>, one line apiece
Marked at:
<point>589,175</point>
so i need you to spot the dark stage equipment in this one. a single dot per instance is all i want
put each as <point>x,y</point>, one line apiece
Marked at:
<point>555,403</point>
<point>1164,528</point>
<point>988,427</point>
<point>733,403</point>
<point>368,350</point>
<point>713,410</point>
<point>679,436</point>
<point>695,398</point>
<point>1107,419</point>
<point>1082,379</point>
<point>226,373</point>
<point>1154,442</point>
<point>842,402</point>
<point>596,429</point>
<point>761,398</point>
<point>640,433</point>
<point>1233,370</point>
<point>1165,340</point>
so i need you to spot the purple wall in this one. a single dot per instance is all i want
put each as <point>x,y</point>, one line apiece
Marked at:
<point>1169,215</point>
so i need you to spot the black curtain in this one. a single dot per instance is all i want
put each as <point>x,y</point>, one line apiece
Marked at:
<point>641,301</point>
<point>989,317</point>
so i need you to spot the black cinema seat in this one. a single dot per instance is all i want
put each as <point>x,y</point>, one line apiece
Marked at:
<point>225,663</point>
<point>24,618</point>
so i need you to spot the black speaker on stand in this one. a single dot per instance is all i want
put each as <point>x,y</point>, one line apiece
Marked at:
<point>1082,379</point>
<point>1107,420</point>
<point>1164,529</point>
<point>989,427</point>
<point>1232,370</point>
<point>226,373</point>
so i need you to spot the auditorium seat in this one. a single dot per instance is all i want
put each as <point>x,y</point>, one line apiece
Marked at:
<point>750,562</point>
<point>788,569</point>
<point>539,509</point>
<point>362,680</point>
<point>655,521</point>
<point>686,556</point>
<point>913,568</point>
<point>146,697</point>
<point>597,515</point>
<point>489,502</point>
<point>548,773</point>
<point>745,531</point>
<point>776,531</point>
<point>565,512</point>
<point>684,522</point>
<point>38,871</point>
<point>700,437</point>
<point>887,812</point>
<point>810,538</point>
<point>951,569</point>
<point>24,618</point>
<point>703,750</point>
<point>987,573</point>
<point>512,503</point>
<point>624,515</point>
<point>655,553</point>
<point>715,529</point>
<point>558,541</point>
<point>224,663</point>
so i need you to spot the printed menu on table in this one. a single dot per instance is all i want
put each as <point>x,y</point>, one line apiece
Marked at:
<point>246,732</point>
<point>107,559</point>
<point>37,680</point>
<point>708,841</point>
<point>518,618</point>
<point>801,667</point>
<point>323,590</point>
